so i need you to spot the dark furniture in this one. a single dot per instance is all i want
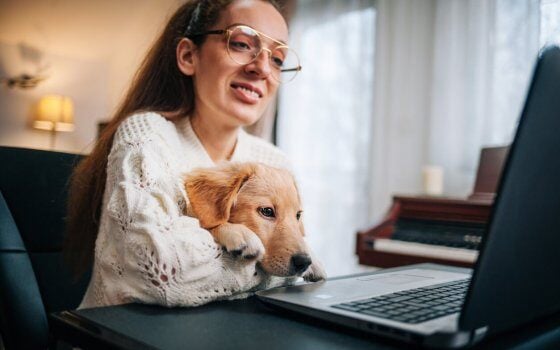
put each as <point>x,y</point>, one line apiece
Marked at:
<point>244,324</point>
<point>34,281</point>
<point>422,229</point>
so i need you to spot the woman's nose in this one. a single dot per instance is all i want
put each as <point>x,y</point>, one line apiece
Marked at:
<point>260,66</point>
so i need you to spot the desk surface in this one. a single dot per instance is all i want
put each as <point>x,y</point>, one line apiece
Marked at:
<point>244,324</point>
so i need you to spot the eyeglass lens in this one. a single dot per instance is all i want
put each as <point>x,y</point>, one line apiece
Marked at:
<point>244,46</point>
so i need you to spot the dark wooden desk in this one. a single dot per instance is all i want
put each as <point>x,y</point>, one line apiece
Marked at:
<point>243,324</point>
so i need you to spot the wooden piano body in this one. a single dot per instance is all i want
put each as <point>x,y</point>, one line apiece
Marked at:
<point>420,229</point>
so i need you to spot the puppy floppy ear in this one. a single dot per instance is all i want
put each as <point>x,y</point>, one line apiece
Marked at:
<point>213,191</point>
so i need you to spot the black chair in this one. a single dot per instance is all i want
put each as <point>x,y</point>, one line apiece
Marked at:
<point>34,280</point>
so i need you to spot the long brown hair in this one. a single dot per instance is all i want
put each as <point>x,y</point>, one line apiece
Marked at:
<point>157,86</point>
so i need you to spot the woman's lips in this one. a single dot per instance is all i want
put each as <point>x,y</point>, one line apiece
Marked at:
<point>246,93</point>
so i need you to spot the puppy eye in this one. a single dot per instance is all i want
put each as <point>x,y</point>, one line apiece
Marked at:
<point>267,212</point>
<point>298,214</point>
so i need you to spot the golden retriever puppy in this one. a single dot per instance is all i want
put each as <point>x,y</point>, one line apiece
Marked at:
<point>254,212</point>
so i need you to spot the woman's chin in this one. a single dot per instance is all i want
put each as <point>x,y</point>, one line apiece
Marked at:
<point>246,119</point>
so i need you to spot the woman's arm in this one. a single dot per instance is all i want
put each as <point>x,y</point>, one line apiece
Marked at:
<point>147,250</point>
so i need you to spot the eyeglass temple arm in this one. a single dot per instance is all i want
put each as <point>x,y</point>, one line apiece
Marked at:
<point>296,69</point>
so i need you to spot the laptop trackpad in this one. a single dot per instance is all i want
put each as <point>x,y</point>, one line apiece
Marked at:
<point>394,279</point>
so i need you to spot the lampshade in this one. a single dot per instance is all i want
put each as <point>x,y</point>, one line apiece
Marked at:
<point>54,112</point>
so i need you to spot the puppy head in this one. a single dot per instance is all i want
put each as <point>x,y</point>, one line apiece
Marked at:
<point>264,199</point>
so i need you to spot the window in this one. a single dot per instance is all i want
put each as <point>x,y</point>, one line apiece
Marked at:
<point>550,22</point>
<point>324,123</point>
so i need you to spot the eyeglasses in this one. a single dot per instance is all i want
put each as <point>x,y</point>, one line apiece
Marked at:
<point>245,44</point>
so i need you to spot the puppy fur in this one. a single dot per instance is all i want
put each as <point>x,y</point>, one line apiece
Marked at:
<point>254,212</point>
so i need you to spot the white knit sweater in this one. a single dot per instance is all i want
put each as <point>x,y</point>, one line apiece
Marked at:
<point>147,251</point>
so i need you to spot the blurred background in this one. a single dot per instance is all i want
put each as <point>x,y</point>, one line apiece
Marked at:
<point>388,87</point>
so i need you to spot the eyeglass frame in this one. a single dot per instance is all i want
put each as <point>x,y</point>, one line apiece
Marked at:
<point>227,33</point>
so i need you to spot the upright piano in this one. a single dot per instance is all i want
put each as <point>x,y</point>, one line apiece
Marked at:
<point>419,229</point>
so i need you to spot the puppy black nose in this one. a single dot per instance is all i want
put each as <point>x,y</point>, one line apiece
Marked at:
<point>300,263</point>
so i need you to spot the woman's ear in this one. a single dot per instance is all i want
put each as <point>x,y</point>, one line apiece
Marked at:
<point>186,51</point>
<point>212,191</point>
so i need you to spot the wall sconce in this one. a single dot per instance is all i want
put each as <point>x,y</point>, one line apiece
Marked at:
<point>54,113</point>
<point>22,81</point>
<point>29,61</point>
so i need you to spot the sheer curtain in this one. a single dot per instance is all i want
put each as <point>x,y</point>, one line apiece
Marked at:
<point>400,119</point>
<point>550,22</point>
<point>324,120</point>
<point>478,91</point>
<point>473,68</point>
<point>450,78</point>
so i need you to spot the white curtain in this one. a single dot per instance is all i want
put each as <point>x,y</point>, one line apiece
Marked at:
<point>323,125</point>
<point>400,119</point>
<point>484,52</point>
<point>451,78</point>
<point>550,22</point>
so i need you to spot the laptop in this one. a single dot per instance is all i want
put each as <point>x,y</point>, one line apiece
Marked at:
<point>516,277</point>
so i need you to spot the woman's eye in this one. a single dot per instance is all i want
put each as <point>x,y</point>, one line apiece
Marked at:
<point>298,215</point>
<point>278,57</point>
<point>240,46</point>
<point>278,62</point>
<point>267,212</point>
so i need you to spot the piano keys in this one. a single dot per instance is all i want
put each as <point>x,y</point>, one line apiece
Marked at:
<point>441,230</point>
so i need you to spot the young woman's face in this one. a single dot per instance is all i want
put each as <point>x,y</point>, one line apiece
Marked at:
<point>222,85</point>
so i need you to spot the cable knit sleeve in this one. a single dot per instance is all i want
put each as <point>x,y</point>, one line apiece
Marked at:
<point>147,250</point>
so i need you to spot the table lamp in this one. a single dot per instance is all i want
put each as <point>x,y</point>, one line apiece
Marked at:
<point>54,113</point>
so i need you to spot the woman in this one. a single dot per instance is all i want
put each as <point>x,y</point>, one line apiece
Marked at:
<point>215,68</point>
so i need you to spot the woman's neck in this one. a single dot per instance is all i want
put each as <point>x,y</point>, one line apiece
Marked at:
<point>218,141</point>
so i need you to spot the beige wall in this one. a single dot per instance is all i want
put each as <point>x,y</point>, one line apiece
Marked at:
<point>90,50</point>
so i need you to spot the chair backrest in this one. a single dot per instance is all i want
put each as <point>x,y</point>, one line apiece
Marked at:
<point>34,280</point>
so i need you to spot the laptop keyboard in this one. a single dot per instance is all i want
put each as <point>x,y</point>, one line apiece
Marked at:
<point>414,305</point>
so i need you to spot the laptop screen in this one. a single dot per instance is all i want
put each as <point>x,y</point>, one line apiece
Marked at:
<point>517,276</point>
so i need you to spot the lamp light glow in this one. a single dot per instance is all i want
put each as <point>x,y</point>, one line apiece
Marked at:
<point>54,113</point>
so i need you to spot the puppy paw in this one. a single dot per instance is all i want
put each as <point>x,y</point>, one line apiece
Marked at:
<point>239,241</point>
<point>315,272</point>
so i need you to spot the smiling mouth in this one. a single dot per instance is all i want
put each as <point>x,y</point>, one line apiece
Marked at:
<point>247,91</point>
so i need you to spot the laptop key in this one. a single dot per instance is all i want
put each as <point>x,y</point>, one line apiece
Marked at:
<point>401,298</point>
<point>411,303</point>
<point>374,313</point>
<point>347,307</point>
<point>441,307</point>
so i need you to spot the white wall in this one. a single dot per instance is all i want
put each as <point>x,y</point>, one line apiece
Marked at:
<point>86,82</point>
<point>91,50</point>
